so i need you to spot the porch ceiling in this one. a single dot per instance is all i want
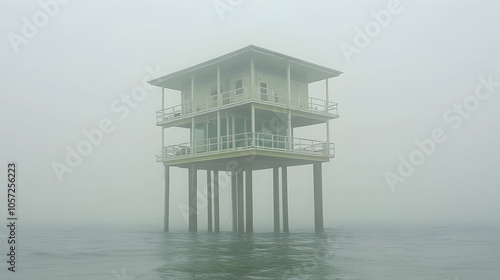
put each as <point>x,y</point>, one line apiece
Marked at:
<point>259,159</point>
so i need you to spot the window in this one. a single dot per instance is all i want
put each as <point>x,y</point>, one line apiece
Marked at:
<point>266,138</point>
<point>200,137</point>
<point>238,85</point>
<point>212,135</point>
<point>263,91</point>
<point>224,133</point>
<point>239,131</point>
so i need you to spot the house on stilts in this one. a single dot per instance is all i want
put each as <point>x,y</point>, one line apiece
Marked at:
<point>242,108</point>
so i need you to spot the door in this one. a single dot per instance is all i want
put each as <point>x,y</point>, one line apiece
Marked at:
<point>239,88</point>
<point>263,91</point>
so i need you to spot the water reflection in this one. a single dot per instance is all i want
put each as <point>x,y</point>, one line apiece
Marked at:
<point>246,256</point>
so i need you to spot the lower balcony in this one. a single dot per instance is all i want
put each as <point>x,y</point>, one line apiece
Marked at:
<point>248,141</point>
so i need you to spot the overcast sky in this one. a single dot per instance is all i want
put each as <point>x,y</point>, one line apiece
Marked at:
<point>64,70</point>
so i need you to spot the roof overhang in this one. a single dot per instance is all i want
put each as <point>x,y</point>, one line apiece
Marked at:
<point>313,72</point>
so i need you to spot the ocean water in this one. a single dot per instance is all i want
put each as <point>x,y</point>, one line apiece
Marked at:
<point>451,253</point>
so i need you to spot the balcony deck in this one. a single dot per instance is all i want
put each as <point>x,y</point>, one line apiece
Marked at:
<point>281,145</point>
<point>245,95</point>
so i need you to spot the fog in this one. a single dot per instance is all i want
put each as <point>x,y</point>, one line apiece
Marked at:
<point>429,71</point>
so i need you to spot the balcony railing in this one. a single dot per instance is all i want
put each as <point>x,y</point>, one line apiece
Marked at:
<point>244,95</point>
<point>247,141</point>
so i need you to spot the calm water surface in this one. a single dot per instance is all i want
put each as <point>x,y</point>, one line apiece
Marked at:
<point>452,253</point>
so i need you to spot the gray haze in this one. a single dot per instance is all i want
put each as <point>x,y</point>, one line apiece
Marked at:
<point>395,90</point>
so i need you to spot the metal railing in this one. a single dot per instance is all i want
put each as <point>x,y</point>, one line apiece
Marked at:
<point>246,141</point>
<point>244,95</point>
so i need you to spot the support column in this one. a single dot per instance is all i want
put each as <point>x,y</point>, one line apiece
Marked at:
<point>328,133</point>
<point>192,94</point>
<point>193,146</point>
<point>252,75</point>
<point>284,192</point>
<point>253,124</point>
<point>289,90</point>
<point>328,121</point>
<point>193,199</point>
<point>327,97</point>
<point>249,197</point>
<point>290,128</point>
<point>219,144</point>
<point>209,199</point>
<point>289,119</point>
<point>327,148</point>
<point>288,85</point>
<point>239,178</point>
<point>219,101</point>
<point>234,201</point>
<point>162,143</point>
<point>233,131</point>
<point>276,199</point>
<point>162,99</point>
<point>162,127</point>
<point>228,129</point>
<point>216,201</point>
<point>166,197</point>
<point>318,197</point>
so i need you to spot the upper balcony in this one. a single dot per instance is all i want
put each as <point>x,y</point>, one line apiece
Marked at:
<point>245,95</point>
